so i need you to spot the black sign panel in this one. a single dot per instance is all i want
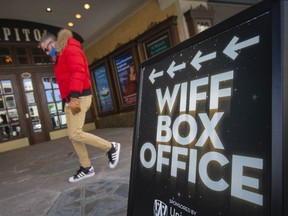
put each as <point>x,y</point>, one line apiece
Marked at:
<point>158,45</point>
<point>203,131</point>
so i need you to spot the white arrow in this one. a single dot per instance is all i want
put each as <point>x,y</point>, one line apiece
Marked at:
<point>232,46</point>
<point>154,75</point>
<point>172,69</point>
<point>197,59</point>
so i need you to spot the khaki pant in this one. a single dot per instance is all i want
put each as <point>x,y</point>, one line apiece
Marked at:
<point>79,138</point>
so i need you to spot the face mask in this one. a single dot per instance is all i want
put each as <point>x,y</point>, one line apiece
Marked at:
<point>52,54</point>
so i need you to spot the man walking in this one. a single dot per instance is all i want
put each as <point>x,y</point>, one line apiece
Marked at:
<point>73,78</point>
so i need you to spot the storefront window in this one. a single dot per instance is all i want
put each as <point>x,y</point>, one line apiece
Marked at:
<point>9,119</point>
<point>22,55</point>
<point>5,56</point>
<point>39,57</point>
<point>54,102</point>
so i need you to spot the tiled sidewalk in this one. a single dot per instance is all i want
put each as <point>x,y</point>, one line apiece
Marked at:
<point>34,180</point>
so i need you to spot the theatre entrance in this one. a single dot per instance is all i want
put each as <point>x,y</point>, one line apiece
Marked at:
<point>30,104</point>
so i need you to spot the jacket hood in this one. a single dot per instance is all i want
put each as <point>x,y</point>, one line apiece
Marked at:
<point>63,36</point>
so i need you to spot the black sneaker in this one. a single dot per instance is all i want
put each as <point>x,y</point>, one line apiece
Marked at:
<point>113,155</point>
<point>82,173</point>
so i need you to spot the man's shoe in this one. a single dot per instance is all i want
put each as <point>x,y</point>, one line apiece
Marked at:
<point>82,173</point>
<point>113,155</point>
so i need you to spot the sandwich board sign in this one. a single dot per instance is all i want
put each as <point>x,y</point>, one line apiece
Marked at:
<point>202,139</point>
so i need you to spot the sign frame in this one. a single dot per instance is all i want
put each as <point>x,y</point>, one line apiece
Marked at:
<point>156,39</point>
<point>278,194</point>
<point>167,27</point>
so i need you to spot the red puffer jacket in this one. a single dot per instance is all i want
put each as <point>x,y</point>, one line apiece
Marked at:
<point>71,70</point>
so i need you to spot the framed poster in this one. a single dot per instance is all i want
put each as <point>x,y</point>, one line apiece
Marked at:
<point>124,62</point>
<point>157,44</point>
<point>103,88</point>
<point>158,38</point>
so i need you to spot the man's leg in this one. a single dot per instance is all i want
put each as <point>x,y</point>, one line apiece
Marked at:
<point>76,128</point>
<point>79,147</point>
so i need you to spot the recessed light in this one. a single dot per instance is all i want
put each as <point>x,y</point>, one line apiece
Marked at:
<point>86,6</point>
<point>70,24</point>
<point>48,9</point>
<point>78,16</point>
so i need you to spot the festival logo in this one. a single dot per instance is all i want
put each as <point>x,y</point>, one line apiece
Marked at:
<point>160,208</point>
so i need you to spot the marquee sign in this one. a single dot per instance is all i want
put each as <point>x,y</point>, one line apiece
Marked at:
<point>24,31</point>
<point>203,129</point>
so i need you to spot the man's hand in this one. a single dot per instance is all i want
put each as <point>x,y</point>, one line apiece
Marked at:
<point>75,106</point>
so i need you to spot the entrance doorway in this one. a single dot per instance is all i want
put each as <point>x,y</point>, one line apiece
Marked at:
<point>27,103</point>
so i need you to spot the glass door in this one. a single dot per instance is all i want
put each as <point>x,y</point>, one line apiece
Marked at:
<point>54,102</point>
<point>33,113</point>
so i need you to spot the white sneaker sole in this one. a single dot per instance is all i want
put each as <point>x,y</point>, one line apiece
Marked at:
<point>112,166</point>
<point>72,180</point>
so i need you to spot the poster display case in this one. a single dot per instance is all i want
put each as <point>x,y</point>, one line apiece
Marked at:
<point>124,62</point>
<point>101,74</point>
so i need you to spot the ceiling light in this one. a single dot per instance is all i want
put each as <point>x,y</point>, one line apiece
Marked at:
<point>48,9</point>
<point>70,24</point>
<point>78,16</point>
<point>86,6</point>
